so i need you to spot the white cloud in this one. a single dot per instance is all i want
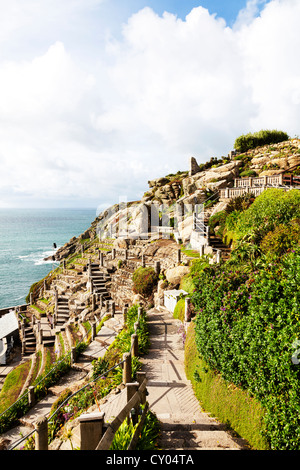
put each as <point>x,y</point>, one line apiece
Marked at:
<point>87,129</point>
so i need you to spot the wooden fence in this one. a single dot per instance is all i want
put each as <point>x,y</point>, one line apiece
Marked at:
<point>95,434</point>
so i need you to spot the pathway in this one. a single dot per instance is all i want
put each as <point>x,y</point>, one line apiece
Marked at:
<point>184,425</point>
<point>74,378</point>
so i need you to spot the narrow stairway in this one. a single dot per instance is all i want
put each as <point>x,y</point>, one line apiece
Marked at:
<point>184,426</point>
<point>63,313</point>
<point>216,243</point>
<point>99,281</point>
<point>30,341</point>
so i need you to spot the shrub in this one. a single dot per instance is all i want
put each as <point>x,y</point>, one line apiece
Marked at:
<point>218,220</point>
<point>179,310</point>
<point>283,238</point>
<point>246,326</point>
<point>272,208</point>
<point>263,137</point>
<point>187,284</point>
<point>144,280</point>
<point>228,404</point>
<point>248,173</point>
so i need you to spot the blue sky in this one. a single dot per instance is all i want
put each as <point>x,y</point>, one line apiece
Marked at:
<point>227,9</point>
<point>99,96</point>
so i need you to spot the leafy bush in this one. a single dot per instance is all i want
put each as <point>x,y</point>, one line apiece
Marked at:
<point>218,220</point>
<point>187,284</point>
<point>263,137</point>
<point>144,280</point>
<point>228,404</point>
<point>179,310</point>
<point>245,329</point>
<point>248,173</point>
<point>281,239</point>
<point>148,438</point>
<point>272,208</point>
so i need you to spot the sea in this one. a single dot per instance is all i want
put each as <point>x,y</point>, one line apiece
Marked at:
<point>27,236</point>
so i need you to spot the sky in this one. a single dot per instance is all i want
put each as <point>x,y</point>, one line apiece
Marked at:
<point>99,96</point>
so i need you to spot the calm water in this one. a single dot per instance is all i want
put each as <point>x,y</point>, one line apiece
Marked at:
<point>26,238</point>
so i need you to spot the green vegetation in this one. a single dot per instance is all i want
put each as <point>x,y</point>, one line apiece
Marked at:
<point>144,280</point>
<point>263,137</point>
<point>104,382</point>
<point>247,316</point>
<point>179,310</point>
<point>13,385</point>
<point>148,438</point>
<point>231,405</point>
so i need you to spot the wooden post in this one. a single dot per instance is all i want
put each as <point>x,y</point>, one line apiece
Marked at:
<point>113,308</point>
<point>157,267</point>
<point>41,434</point>
<point>179,256</point>
<point>131,390</point>
<point>93,331</point>
<point>73,355</point>
<point>143,260</point>
<point>140,310</point>
<point>140,377</point>
<point>93,302</point>
<point>56,300</point>
<point>31,396</point>
<point>135,346</point>
<point>127,368</point>
<point>91,430</point>
<point>124,314</point>
<point>187,317</point>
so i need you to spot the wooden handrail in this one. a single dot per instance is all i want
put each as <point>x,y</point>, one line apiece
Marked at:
<point>113,427</point>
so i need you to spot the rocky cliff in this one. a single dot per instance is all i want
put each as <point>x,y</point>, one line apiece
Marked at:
<point>189,187</point>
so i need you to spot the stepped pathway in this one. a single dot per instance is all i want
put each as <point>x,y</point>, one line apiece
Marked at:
<point>217,243</point>
<point>73,379</point>
<point>184,425</point>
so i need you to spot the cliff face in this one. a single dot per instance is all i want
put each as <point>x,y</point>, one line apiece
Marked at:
<point>273,159</point>
<point>186,188</point>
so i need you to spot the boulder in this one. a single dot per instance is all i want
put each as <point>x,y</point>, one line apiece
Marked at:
<point>121,243</point>
<point>174,275</point>
<point>158,182</point>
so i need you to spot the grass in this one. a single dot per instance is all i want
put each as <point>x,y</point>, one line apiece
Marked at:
<point>179,311</point>
<point>13,385</point>
<point>227,403</point>
<point>189,252</point>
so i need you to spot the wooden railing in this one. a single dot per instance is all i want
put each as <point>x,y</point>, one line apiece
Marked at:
<point>230,193</point>
<point>273,180</point>
<point>136,396</point>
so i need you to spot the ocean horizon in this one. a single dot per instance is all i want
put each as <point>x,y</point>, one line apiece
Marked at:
<point>27,236</point>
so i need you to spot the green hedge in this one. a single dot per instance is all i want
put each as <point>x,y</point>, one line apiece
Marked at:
<point>229,404</point>
<point>246,324</point>
<point>264,137</point>
<point>271,208</point>
<point>179,310</point>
